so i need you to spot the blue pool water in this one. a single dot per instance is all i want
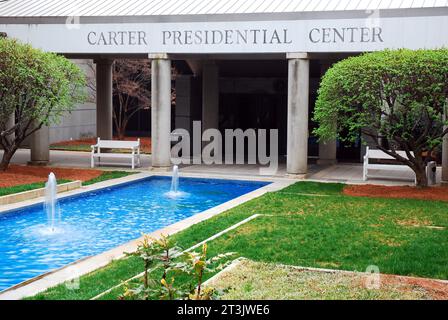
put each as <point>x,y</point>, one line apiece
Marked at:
<point>100,220</point>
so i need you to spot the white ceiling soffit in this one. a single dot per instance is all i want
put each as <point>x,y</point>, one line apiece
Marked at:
<point>93,8</point>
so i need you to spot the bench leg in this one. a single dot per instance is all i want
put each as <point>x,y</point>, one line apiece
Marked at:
<point>364,167</point>
<point>92,162</point>
<point>133,163</point>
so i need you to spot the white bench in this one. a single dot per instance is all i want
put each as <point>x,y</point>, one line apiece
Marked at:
<point>132,146</point>
<point>372,154</point>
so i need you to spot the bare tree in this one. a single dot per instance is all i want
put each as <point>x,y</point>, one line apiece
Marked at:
<point>131,90</point>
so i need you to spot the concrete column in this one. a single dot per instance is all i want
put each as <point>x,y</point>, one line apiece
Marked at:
<point>298,98</point>
<point>40,147</point>
<point>445,159</point>
<point>104,107</point>
<point>210,96</point>
<point>161,110</point>
<point>327,152</point>
<point>327,149</point>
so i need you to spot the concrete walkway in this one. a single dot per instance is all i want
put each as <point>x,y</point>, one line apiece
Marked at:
<point>347,173</point>
<point>352,173</point>
<point>73,159</point>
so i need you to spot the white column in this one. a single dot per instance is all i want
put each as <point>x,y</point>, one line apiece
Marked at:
<point>210,96</point>
<point>298,98</point>
<point>104,107</point>
<point>445,159</point>
<point>40,147</point>
<point>327,149</point>
<point>161,110</point>
<point>327,152</point>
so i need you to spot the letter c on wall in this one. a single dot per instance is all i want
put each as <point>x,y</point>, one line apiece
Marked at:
<point>88,38</point>
<point>311,35</point>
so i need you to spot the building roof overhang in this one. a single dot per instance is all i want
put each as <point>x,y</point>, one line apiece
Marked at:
<point>191,27</point>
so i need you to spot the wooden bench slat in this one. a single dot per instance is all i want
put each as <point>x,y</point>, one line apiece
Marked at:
<point>381,155</point>
<point>118,144</point>
<point>134,146</point>
<point>113,155</point>
<point>388,167</point>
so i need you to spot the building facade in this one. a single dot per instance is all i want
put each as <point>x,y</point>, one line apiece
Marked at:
<point>244,64</point>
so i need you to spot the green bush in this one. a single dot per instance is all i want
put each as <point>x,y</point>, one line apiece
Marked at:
<point>37,88</point>
<point>398,96</point>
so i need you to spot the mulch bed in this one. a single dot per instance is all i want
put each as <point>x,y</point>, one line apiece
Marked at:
<point>376,191</point>
<point>80,142</point>
<point>438,290</point>
<point>145,142</point>
<point>19,175</point>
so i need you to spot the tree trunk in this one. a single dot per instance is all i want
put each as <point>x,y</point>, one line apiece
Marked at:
<point>419,167</point>
<point>422,180</point>
<point>7,156</point>
<point>121,133</point>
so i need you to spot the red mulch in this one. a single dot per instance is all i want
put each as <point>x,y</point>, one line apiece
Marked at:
<point>375,191</point>
<point>18,175</point>
<point>145,142</point>
<point>80,142</point>
<point>436,289</point>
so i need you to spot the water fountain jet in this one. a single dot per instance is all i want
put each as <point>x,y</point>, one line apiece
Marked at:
<point>175,180</point>
<point>174,191</point>
<point>51,190</point>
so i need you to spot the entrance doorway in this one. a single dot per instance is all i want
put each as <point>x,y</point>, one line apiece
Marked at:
<point>255,111</point>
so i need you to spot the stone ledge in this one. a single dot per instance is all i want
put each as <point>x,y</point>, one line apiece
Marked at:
<point>298,176</point>
<point>36,193</point>
<point>297,55</point>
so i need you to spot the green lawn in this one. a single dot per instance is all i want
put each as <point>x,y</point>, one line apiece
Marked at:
<point>106,175</point>
<point>80,147</point>
<point>25,187</point>
<point>331,231</point>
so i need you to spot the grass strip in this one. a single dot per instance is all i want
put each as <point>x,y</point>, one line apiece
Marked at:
<point>108,175</point>
<point>80,147</point>
<point>26,187</point>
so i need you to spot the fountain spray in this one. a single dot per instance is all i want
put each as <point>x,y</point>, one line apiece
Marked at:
<point>51,190</point>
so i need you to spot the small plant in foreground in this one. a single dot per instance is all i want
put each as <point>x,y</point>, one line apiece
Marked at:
<point>196,265</point>
<point>156,254</point>
<point>160,255</point>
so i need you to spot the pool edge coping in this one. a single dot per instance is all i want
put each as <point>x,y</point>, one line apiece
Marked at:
<point>89,264</point>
